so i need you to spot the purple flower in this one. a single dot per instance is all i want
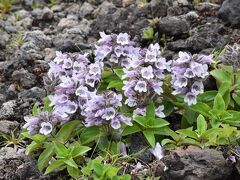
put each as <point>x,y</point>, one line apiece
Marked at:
<point>183,57</point>
<point>151,56</point>
<point>67,63</point>
<point>104,38</point>
<point>109,113</point>
<point>190,99</point>
<point>82,91</point>
<point>46,128</point>
<point>158,151</point>
<point>147,72</point>
<point>141,86</point>
<point>95,69</point>
<point>181,82</point>
<point>159,111</point>
<point>123,39</point>
<point>197,88</point>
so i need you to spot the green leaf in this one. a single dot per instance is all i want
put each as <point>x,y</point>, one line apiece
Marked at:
<point>112,171</point>
<point>70,162</point>
<point>201,124</point>
<point>61,150</point>
<point>73,172</point>
<point>79,150</point>
<point>149,135</point>
<point>158,123</point>
<point>45,157</point>
<point>32,147</point>
<point>201,108</point>
<point>35,110</point>
<point>150,112</point>
<point>167,141</point>
<point>219,103</point>
<point>54,166</point>
<point>221,75</point>
<point>118,84</point>
<point>148,33</point>
<point>207,96</point>
<point>90,134</point>
<point>141,120</point>
<point>119,72</point>
<point>236,98</point>
<point>65,132</point>
<point>188,133</point>
<point>131,129</point>
<point>47,106</point>
<point>190,115</point>
<point>224,87</point>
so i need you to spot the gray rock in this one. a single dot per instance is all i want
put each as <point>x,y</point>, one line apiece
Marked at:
<point>24,78</point>
<point>34,92</point>
<point>37,12</point>
<point>159,8</point>
<point>36,40</point>
<point>105,8</point>
<point>70,39</point>
<point>47,14</point>
<point>207,36</point>
<point>23,14</point>
<point>86,10</point>
<point>4,39</point>
<point>230,12</point>
<point>173,26</point>
<point>195,164</point>
<point>26,23</point>
<point>7,110</point>
<point>8,126</point>
<point>11,29</point>
<point>68,22</point>
<point>201,37</point>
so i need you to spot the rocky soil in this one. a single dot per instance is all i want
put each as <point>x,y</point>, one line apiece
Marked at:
<point>34,29</point>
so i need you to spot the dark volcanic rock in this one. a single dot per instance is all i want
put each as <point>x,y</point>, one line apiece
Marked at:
<point>230,12</point>
<point>140,148</point>
<point>202,37</point>
<point>195,164</point>
<point>173,26</point>
<point>24,78</point>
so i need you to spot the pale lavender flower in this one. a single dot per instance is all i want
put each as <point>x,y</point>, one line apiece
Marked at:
<point>197,88</point>
<point>159,111</point>
<point>151,56</point>
<point>67,63</point>
<point>109,113</point>
<point>181,82</point>
<point>190,99</point>
<point>46,128</point>
<point>183,57</point>
<point>158,151</point>
<point>147,72</point>
<point>123,39</point>
<point>141,86</point>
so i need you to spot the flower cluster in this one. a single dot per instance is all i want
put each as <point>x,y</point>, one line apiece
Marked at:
<point>144,76</point>
<point>115,48</point>
<point>188,72</point>
<point>232,56</point>
<point>76,75</point>
<point>102,110</point>
<point>41,123</point>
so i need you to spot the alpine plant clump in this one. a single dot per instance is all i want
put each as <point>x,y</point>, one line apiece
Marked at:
<point>188,72</point>
<point>75,78</point>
